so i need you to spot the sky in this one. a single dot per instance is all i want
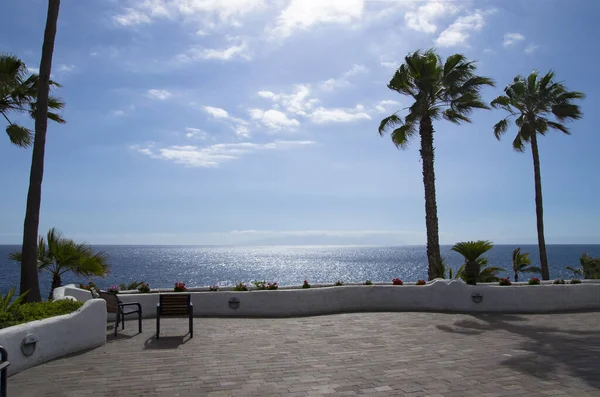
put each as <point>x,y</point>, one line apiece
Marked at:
<point>255,122</point>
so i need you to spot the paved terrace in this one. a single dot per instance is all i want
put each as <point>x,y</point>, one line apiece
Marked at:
<point>375,354</point>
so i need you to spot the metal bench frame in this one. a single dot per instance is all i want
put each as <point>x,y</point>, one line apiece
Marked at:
<point>114,305</point>
<point>4,364</point>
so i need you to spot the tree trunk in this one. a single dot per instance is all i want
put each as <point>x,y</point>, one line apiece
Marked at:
<point>471,272</point>
<point>539,209</point>
<point>431,219</point>
<point>56,282</point>
<point>29,270</point>
<point>516,277</point>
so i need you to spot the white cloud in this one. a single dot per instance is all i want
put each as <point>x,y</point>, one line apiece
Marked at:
<point>512,38</point>
<point>382,106</point>
<point>331,84</point>
<point>274,119</point>
<point>214,155</point>
<point>62,68</point>
<point>459,32</point>
<point>391,65</point>
<point>338,115</point>
<point>33,70</point>
<point>239,126</point>
<point>209,12</point>
<point>195,133</point>
<point>302,14</point>
<point>118,113</point>
<point>160,95</point>
<point>531,48</point>
<point>223,54</point>
<point>423,18</point>
<point>216,112</point>
<point>298,102</point>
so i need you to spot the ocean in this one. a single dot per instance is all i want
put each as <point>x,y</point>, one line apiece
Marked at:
<point>162,266</point>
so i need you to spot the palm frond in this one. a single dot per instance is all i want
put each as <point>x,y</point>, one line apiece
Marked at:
<point>500,128</point>
<point>531,269</point>
<point>19,135</point>
<point>389,122</point>
<point>401,136</point>
<point>566,111</point>
<point>472,250</point>
<point>558,126</point>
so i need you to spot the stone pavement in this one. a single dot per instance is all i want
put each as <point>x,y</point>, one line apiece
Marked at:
<point>370,354</point>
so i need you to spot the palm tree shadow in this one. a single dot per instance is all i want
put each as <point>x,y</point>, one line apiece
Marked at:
<point>550,350</point>
<point>166,342</point>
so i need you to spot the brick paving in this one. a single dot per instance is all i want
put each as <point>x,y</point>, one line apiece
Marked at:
<point>368,354</point>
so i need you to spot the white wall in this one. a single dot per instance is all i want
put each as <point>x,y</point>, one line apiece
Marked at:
<point>79,294</point>
<point>57,336</point>
<point>439,295</point>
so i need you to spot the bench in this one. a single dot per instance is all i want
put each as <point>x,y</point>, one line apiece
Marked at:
<point>114,305</point>
<point>3,372</point>
<point>175,305</point>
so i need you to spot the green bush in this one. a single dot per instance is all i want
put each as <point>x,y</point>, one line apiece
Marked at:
<point>260,285</point>
<point>368,282</point>
<point>591,267</point>
<point>575,281</point>
<point>37,311</point>
<point>240,287</point>
<point>339,283</point>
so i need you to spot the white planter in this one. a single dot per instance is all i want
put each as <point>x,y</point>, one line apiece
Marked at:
<point>56,336</point>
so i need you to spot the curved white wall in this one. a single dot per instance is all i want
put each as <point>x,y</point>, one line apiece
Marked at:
<point>79,294</point>
<point>57,336</point>
<point>439,295</point>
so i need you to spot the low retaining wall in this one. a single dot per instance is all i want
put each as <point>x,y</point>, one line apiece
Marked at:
<point>438,296</point>
<point>56,336</point>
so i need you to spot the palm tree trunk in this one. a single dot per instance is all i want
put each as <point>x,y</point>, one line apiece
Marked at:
<point>516,277</point>
<point>29,270</point>
<point>539,209</point>
<point>431,218</point>
<point>56,282</point>
<point>471,272</point>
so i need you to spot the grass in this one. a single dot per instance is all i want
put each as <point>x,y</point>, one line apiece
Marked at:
<point>37,311</point>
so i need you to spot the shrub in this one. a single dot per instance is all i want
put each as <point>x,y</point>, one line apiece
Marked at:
<point>368,282</point>
<point>144,288</point>
<point>213,288</point>
<point>397,281</point>
<point>504,281</point>
<point>590,266</point>
<point>5,301</point>
<point>339,283</point>
<point>305,284</point>
<point>575,281</point>
<point>113,289</point>
<point>37,311</point>
<point>421,282</point>
<point>534,281</point>
<point>260,285</point>
<point>180,287</point>
<point>131,286</point>
<point>559,281</point>
<point>240,287</point>
<point>272,286</point>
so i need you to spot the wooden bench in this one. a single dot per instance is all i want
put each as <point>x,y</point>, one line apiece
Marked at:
<point>3,372</point>
<point>114,305</point>
<point>175,305</point>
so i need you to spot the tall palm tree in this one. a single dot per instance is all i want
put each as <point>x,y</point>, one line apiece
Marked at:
<point>18,93</point>
<point>522,264</point>
<point>532,101</point>
<point>447,90</point>
<point>29,275</point>
<point>472,251</point>
<point>58,255</point>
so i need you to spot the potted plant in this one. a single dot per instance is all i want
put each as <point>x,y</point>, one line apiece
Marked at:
<point>397,281</point>
<point>180,287</point>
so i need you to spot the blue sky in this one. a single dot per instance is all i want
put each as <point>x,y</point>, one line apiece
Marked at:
<point>255,122</point>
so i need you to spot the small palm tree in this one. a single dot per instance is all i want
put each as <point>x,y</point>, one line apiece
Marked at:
<point>522,264</point>
<point>58,255</point>
<point>448,90</point>
<point>487,274</point>
<point>472,251</point>
<point>18,93</point>
<point>532,101</point>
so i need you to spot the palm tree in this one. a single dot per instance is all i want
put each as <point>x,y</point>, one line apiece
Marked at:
<point>58,255</point>
<point>532,101</point>
<point>447,90</point>
<point>29,275</point>
<point>472,251</point>
<point>18,93</point>
<point>487,274</point>
<point>522,264</point>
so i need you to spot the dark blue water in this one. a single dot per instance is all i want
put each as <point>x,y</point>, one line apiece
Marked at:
<point>162,266</point>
